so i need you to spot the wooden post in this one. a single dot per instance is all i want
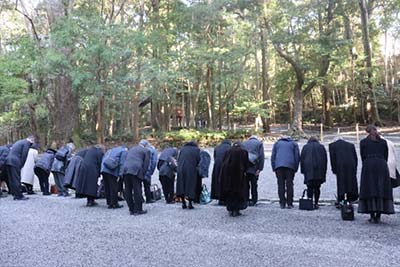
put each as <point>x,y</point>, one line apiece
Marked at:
<point>288,126</point>
<point>322,133</point>
<point>358,133</point>
<point>338,131</point>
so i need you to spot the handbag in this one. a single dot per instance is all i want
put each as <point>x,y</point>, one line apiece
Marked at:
<point>253,158</point>
<point>205,197</point>
<point>347,210</point>
<point>395,182</point>
<point>155,192</point>
<point>305,203</point>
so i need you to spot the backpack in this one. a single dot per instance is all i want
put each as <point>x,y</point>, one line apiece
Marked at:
<point>62,154</point>
<point>111,163</point>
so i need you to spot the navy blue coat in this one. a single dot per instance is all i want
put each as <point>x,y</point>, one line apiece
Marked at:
<point>18,154</point>
<point>167,162</point>
<point>46,161</point>
<point>4,151</point>
<point>219,153</point>
<point>313,162</point>
<point>118,154</point>
<point>285,153</point>
<point>256,147</point>
<point>188,183</point>
<point>204,164</point>
<point>86,181</point>
<point>137,162</point>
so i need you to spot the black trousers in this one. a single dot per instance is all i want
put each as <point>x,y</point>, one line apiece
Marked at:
<point>314,190</point>
<point>253,184</point>
<point>147,192</point>
<point>14,178</point>
<point>133,183</point>
<point>43,180</point>
<point>111,188</point>
<point>285,185</point>
<point>167,187</point>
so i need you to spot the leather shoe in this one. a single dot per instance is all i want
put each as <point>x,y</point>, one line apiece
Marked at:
<point>140,212</point>
<point>21,198</point>
<point>91,203</point>
<point>290,207</point>
<point>116,206</point>
<point>282,206</point>
<point>150,201</point>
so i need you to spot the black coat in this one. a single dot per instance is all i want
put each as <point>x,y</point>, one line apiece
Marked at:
<point>188,183</point>
<point>233,175</point>
<point>219,153</point>
<point>86,181</point>
<point>313,161</point>
<point>137,162</point>
<point>344,164</point>
<point>46,161</point>
<point>204,164</point>
<point>18,154</point>
<point>167,163</point>
<point>375,180</point>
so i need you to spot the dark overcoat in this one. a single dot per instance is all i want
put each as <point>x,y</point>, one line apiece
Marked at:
<point>188,183</point>
<point>137,162</point>
<point>86,181</point>
<point>204,164</point>
<point>375,180</point>
<point>18,154</point>
<point>46,161</point>
<point>219,153</point>
<point>313,161</point>
<point>234,186</point>
<point>344,162</point>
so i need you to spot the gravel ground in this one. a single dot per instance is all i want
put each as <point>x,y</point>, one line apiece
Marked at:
<point>54,231</point>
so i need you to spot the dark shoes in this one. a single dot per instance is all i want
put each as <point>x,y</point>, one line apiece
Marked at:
<point>21,198</point>
<point>316,206</point>
<point>282,205</point>
<point>46,193</point>
<point>235,213</point>
<point>150,201</point>
<point>137,213</point>
<point>31,193</point>
<point>252,203</point>
<point>91,203</point>
<point>171,202</point>
<point>290,206</point>
<point>115,206</point>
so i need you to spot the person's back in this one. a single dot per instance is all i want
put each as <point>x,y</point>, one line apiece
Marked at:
<point>137,161</point>
<point>188,182</point>
<point>285,153</point>
<point>18,153</point>
<point>219,154</point>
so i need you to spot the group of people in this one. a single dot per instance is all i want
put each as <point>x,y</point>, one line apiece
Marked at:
<point>128,172</point>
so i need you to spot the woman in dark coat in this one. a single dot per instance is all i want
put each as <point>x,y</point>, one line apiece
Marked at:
<point>344,165</point>
<point>188,183</point>
<point>313,162</point>
<point>234,186</point>
<point>219,153</point>
<point>376,194</point>
<point>86,184</point>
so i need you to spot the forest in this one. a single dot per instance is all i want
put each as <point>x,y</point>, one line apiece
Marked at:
<point>104,70</point>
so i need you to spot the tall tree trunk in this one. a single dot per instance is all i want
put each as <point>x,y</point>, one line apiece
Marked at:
<point>210,100</point>
<point>297,125</point>
<point>326,105</point>
<point>64,106</point>
<point>100,120</point>
<point>372,105</point>
<point>264,76</point>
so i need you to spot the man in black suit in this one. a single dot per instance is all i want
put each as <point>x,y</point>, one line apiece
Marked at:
<point>14,162</point>
<point>134,170</point>
<point>344,164</point>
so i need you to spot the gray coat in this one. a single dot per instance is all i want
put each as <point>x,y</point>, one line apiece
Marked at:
<point>255,147</point>
<point>167,162</point>
<point>137,162</point>
<point>285,153</point>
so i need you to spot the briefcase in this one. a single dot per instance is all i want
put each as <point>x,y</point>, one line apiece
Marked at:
<point>155,192</point>
<point>305,203</point>
<point>347,210</point>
